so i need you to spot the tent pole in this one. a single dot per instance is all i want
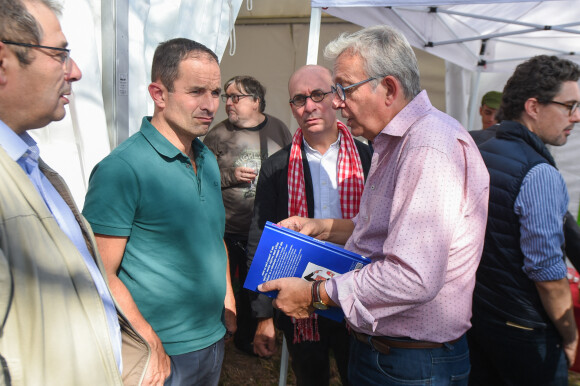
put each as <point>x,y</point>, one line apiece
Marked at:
<point>314,36</point>
<point>115,71</point>
<point>283,363</point>
<point>473,103</point>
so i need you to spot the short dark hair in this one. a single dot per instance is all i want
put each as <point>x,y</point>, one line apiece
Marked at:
<point>18,25</point>
<point>250,85</point>
<point>171,53</point>
<point>540,77</point>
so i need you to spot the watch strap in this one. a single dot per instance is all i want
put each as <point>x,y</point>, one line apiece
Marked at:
<point>316,293</point>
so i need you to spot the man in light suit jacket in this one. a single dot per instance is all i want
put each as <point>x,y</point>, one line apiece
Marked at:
<point>59,324</point>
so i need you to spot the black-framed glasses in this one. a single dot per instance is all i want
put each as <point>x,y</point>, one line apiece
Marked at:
<point>572,108</point>
<point>341,90</point>
<point>63,56</point>
<point>316,96</point>
<point>235,97</point>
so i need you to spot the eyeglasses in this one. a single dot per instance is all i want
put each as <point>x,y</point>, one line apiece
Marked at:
<point>316,96</point>
<point>235,97</point>
<point>63,57</point>
<point>341,91</point>
<point>571,108</point>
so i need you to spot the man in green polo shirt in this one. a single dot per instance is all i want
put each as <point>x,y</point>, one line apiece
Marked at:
<point>156,208</point>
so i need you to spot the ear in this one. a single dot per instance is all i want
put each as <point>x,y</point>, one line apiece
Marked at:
<point>3,63</point>
<point>532,107</point>
<point>158,93</point>
<point>392,89</point>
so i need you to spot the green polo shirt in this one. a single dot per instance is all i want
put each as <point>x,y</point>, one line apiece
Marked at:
<point>175,260</point>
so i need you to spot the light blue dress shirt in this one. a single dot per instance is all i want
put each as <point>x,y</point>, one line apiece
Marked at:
<point>541,205</point>
<point>24,151</point>
<point>323,170</point>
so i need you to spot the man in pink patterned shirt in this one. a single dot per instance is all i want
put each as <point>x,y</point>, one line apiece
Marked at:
<point>422,223</point>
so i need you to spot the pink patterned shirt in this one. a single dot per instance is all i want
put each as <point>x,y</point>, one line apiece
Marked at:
<point>422,223</point>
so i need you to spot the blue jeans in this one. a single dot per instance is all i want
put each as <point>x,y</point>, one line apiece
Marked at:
<point>503,354</point>
<point>448,365</point>
<point>201,367</point>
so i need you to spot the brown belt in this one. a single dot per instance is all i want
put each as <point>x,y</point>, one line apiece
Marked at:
<point>383,344</point>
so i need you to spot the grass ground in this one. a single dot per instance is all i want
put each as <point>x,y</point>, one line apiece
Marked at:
<point>240,369</point>
<point>245,370</point>
<point>573,378</point>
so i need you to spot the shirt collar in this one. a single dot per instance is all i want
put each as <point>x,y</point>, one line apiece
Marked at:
<point>162,144</point>
<point>309,150</point>
<point>405,118</point>
<point>17,145</point>
<point>157,140</point>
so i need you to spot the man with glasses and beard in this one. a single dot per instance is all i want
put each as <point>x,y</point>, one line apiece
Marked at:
<point>241,143</point>
<point>523,322</point>
<point>321,174</point>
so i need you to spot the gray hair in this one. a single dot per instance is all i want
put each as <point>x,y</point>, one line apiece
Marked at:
<point>384,51</point>
<point>18,25</point>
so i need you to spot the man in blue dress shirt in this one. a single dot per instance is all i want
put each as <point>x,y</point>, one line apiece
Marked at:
<point>523,323</point>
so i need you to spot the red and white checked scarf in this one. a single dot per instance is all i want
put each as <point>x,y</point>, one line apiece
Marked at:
<point>350,176</point>
<point>350,187</point>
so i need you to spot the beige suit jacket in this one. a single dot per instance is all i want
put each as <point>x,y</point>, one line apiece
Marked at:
<point>53,327</point>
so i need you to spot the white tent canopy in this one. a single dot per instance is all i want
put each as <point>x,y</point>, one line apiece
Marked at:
<point>488,36</point>
<point>475,38</point>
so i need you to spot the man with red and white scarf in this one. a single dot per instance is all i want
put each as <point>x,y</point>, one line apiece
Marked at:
<point>320,175</point>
